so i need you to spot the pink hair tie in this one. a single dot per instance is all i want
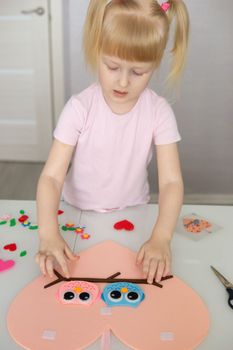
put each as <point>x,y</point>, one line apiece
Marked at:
<point>165,6</point>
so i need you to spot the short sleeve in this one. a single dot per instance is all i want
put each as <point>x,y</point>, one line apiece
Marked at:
<point>165,126</point>
<point>71,122</point>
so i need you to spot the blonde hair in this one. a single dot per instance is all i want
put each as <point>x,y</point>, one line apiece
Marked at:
<point>136,30</point>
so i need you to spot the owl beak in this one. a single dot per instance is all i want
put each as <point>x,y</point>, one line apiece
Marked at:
<point>124,290</point>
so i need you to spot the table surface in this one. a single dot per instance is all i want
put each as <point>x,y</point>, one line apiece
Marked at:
<point>191,258</point>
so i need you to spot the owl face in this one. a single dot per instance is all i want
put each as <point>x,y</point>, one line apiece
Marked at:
<point>123,294</point>
<point>78,292</point>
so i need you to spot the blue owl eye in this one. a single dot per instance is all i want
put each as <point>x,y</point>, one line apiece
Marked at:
<point>115,295</point>
<point>84,296</point>
<point>132,297</point>
<point>68,296</point>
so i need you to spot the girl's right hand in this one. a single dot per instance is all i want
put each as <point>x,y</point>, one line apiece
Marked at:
<point>52,251</point>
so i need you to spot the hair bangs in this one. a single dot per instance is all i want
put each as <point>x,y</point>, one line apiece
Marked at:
<point>133,38</point>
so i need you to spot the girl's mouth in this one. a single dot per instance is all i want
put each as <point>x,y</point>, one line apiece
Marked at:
<point>120,93</point>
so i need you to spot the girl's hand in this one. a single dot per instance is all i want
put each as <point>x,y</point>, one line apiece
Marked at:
<point>52,251</point>
<point>155,258</point>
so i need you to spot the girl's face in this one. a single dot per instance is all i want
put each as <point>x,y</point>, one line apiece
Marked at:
<point>122,81</point>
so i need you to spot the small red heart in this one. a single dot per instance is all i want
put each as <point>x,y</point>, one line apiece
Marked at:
<point>124,225</point>
<point>23,218</point>
<point>11,247</point>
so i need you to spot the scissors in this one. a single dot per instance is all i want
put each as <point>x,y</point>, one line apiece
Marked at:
<point>227,284</point>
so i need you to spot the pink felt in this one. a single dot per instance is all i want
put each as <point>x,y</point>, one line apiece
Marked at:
<point>175,308</point>
<point>6,264</point>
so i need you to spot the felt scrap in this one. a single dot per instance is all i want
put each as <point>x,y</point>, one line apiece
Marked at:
<point>85,236</point>
<point>26,223</point>
<point>3,222</point>
<point>124,225</point>
<point>23,253</point>
<point>33,227</point>
<point>12,222</point>
<point>6,264</point>
<point>11,247</point>
<point>23,218</point>
<point>79,230</point>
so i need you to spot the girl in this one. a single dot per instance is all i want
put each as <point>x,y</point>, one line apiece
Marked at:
<point>110,128</point>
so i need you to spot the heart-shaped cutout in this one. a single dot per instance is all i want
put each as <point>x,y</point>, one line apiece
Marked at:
<point>124,225</point>
<point>11,247</point>
<point>22,218</point>
<point>6,265</point>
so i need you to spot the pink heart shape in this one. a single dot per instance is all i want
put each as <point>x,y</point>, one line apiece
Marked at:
<point>6,265</point>
<point>172,310</point>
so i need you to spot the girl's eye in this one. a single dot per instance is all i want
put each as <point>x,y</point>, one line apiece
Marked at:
<point>136,73</point>
<point>112,68</point>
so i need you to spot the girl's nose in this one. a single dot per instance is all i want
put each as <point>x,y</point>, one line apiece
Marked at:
<point>124,79</point>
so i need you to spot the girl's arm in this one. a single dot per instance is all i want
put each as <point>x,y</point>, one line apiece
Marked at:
<point>52,246</point>
<point>155,254</point>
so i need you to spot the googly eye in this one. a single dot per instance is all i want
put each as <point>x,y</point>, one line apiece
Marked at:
<point>132,297</point>
<point>69,295</point>
<point>84,296</point>
<point>115,295</point>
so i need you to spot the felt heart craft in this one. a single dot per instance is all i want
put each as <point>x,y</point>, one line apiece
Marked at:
<point>124,225</point>
<point>172,317</point>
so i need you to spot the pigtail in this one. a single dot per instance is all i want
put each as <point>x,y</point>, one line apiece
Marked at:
<point>92,30</point>
<point>178,10</point>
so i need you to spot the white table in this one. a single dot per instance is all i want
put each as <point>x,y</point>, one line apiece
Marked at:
<point>191,259</point>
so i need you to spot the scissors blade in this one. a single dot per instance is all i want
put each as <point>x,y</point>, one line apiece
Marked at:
<point>223,279</point>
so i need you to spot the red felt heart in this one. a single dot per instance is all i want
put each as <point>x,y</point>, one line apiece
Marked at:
<point>124,225</point>
<point>11,247</point>
<point>22,218</point>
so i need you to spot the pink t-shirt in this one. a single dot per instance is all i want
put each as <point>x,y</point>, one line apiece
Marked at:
<point>112,152</point>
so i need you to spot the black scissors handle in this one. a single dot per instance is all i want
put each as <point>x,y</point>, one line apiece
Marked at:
<point>230,299</point>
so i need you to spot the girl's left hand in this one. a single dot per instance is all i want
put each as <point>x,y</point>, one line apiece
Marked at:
<point>155,258</point>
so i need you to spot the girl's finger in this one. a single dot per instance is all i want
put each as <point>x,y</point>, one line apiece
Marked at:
<point>167,270</point>
<point>160,271</point>
<point>146,266</point>
<point>41,259</point>
<point>152,271</point>
<point>62,262</point>
<point>70,255</point>
<point>140,256</point>
<point>49,265</point>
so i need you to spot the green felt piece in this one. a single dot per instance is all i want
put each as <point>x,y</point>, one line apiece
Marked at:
<point>12,222</point>
<point>21,211</point>
<point>23,253</point>
<point>3,222</point>
<point>35,227</point>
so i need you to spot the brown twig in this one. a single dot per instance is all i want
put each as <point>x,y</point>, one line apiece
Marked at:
<point>110,279</point>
